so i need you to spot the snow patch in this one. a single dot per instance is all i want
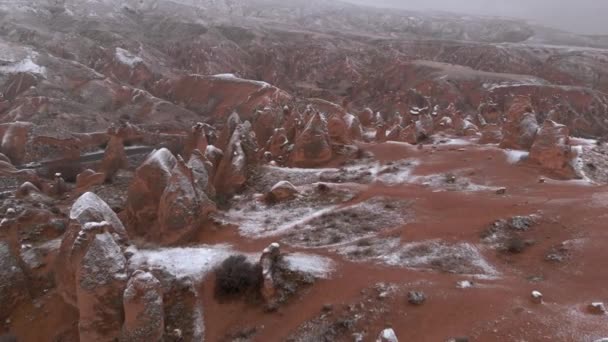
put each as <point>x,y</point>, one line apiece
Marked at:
<point>25,65</point>
<point>515,156</point>
<point>318,266</point>
<point>127,58</point>
<point>182,262</point>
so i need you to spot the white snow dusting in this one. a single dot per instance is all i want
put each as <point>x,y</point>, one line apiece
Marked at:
<point>127,58</point>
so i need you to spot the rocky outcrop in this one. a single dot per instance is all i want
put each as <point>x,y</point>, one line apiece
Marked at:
<point>239,159</point>
<point>13,140</point>
<point>13,285</point>
<point>312,147</point>
<point>100,282</point>
<point>552,151</point>
<point>143,308</point>
<point>89,216</point>
<point>521,126</point>
<point>145,191</point>
<point>183,206</point>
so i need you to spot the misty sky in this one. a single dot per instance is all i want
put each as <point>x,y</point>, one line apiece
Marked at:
<point>581,16</point>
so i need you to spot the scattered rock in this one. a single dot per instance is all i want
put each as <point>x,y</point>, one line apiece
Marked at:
<point>416,297</point>
<point>537,297</point>
<point>597,308</point>
<point>282,191</point>
<point>464,284</point>
<point>387,335</point>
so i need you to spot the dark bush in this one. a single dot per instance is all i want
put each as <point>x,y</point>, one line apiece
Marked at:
<point>236,276</point>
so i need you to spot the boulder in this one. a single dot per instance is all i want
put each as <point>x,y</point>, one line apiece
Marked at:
<point>143,308</point>
<point>387,335</point>
<point>89,178</point>
<point>552,151</point>
<point>27,189</point>
<point>312,147</point>
<point>282,191</point>
<point>144,193</point>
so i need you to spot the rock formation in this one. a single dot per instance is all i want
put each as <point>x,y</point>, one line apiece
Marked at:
<point>197,140</point>
<point>552,150</point>
<point>239,159</point>
<point>183,206</point>
<point>312,147</point>
<point>145,191</point>
<point>14,140</point>
<point>101,277</point>
<point>521,126</point>
<point>114,157</point>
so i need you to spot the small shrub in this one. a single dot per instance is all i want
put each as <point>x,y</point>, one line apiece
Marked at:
<point>236,276</point>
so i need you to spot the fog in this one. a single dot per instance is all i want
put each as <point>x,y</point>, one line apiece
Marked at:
<point>580,16</point>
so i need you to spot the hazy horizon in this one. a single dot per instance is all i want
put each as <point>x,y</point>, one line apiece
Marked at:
<point>582,16</point>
